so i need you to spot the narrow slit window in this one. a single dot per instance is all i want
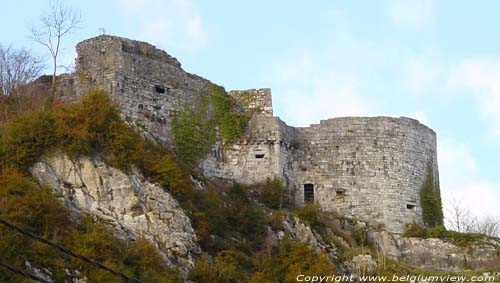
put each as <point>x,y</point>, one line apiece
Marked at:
<point>410,206</point>
<point>259,155</point>
<point>159,89</point>
<point>308,193</point>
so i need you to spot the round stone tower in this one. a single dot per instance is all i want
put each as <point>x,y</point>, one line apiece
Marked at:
<point>370,168</point>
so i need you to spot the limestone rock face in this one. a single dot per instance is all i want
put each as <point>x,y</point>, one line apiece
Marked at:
<point>133,206</point>
<point>435,253</point>
<point>362,264</point>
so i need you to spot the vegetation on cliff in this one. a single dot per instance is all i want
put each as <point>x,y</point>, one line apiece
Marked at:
<point>230,224</point>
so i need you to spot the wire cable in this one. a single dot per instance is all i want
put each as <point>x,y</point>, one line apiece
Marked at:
<point>67,251</point>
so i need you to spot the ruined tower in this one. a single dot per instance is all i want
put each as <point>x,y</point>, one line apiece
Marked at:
<point>370,168</point>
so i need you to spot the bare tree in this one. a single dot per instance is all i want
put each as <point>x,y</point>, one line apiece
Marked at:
<point>57,22</point>
<point>489,226</point>
<point>17,67</point>
<point>460,218</point>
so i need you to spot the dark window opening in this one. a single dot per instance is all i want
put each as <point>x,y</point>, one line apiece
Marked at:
<point>340,192</point>
<point>159,89</point>
<point>259,155</point>
<point>308,193</point>
<point>410,206</point>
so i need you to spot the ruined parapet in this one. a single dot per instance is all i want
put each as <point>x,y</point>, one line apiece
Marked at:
<point>368,168</point>
<point>258,101</point>
<point>148,84</point>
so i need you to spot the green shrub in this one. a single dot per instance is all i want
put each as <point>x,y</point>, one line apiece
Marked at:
<point>194,127</point>
<point>309,214</point>
<point>273,194</point>
<point>290,260</point>
<point>193,132</point>
<point>457,238</point>
<point>92,126</point>
<point>25,139</point>
<point>35,208</point>
<point>203,272</point>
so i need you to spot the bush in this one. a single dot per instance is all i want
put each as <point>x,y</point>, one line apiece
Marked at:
<point>203,272</point>
<point>92,126</point>
<point>457,238</point>
<point>35,208</point>
<point>291,260</point>
<point>309,214</point>
<point>25,139</point>
<point>273,194</point>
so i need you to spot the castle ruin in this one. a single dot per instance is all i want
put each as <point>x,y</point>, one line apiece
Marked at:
<point>370,168</point>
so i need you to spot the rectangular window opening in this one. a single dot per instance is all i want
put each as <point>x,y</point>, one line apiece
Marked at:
<point>159,89</point>
<point>259,155</point>
<point>410,206</point>
<point>340,192</point>
<point>308,193</point>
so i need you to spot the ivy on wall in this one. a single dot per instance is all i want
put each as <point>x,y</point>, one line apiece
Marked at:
<point>430,200</point>
<point>194,128</point>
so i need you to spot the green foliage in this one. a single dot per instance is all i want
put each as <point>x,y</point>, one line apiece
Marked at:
<point>430,200</point>
<point>203,272</point>
<point>193,132</point>
<point>27,204</point>
<point>25,139</point>
<point>283,264</point>
<point>457,238</point>
<point>273,194</point>
<point>290,260</point>
<point>92,126</point>
<point>194,126</point>
<point>309,214</point>
<point>231,123</point>
<point>82,128</point>
<point>231,226</point>
<point>359,236</point>
<point>228,221</point>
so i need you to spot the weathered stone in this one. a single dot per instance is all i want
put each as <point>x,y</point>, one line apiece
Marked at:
<point>132,206</point>
<point>436,253</point>
<point>370,168</point>
<point>362,265</point>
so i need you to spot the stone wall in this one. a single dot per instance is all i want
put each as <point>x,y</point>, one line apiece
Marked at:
<point>368,168</point>
<point>260,154</point>
<point>259,100</point>
<point>147,83</point>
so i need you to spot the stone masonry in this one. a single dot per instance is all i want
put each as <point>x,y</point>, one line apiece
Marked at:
<point>370,168</point>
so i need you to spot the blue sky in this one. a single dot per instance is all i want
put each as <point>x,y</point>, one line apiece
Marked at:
<point>436,61</point>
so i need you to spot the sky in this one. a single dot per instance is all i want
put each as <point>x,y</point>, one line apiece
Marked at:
<point>436,61</point>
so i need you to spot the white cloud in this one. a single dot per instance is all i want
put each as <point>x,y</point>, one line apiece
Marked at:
<point>412,14</point>
<point>166,22</point>
<point>460,179</point>
<point>482,78</point>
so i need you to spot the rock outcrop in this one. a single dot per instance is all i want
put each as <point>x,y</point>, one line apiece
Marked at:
<point>435,253</point>
<point>133,206</point>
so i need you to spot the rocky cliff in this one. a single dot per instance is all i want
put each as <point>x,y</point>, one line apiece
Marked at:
<point>133,206</point>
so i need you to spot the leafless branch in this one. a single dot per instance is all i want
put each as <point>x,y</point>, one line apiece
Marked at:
<point>17,67</point>
<point>57,22</point>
